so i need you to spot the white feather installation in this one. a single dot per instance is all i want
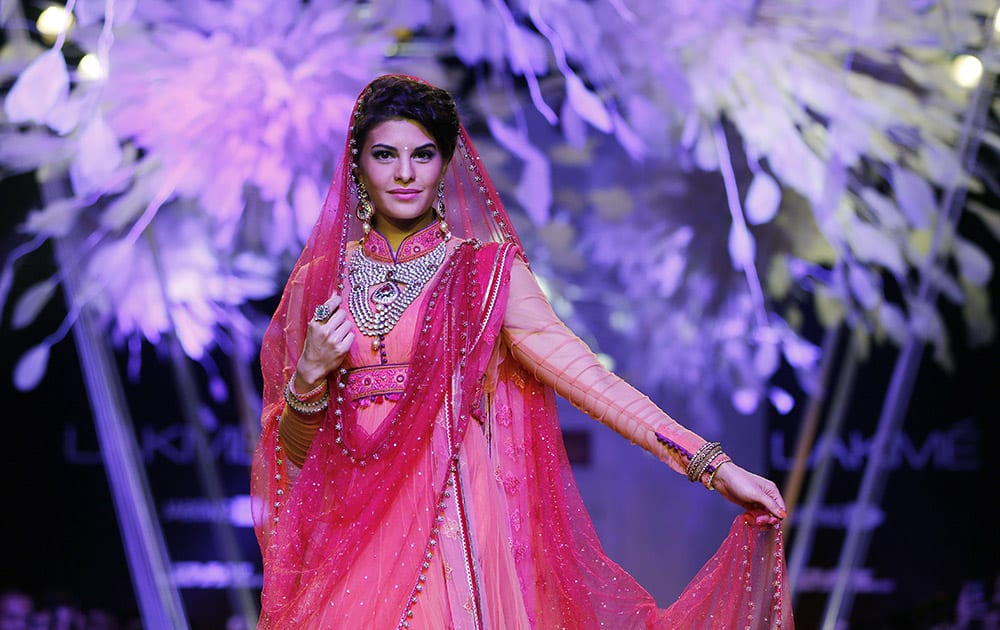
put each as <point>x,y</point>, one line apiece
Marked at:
<point>843,120</point>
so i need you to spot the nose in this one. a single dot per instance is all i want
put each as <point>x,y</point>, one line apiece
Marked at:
<point>404,171</point>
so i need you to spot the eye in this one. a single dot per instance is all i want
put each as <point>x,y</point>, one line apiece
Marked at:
<point>425,155</point>
<point>381,154</point>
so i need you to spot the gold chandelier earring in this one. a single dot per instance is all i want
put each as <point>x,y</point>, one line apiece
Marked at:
<point>364,210</point>
<point>441,213</point>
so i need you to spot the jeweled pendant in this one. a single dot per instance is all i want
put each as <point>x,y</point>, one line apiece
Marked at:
<point>385,294</point>
<point>375,345</point>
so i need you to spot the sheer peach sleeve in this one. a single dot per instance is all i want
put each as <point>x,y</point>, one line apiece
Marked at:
<point>547,349</point>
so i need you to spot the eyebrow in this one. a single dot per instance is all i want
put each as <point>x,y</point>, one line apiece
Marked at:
<point>382,145</point>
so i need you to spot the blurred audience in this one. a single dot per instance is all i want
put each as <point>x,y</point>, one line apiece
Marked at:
<point>54,611</point>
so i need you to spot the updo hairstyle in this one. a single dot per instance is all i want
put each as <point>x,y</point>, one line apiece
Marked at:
<point>394,98</point>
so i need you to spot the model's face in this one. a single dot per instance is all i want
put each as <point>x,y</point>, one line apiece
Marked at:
<point>400,167</point>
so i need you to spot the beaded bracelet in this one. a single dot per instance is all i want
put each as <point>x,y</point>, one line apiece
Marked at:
<point>701,459</point>
<point>309,394</point>
<point>711,477</point>
<point>306,408</point>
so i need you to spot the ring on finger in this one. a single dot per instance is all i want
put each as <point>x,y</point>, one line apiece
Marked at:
<point>322,312</point>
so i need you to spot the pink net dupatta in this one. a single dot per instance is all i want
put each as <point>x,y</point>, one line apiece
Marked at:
<point>742,586</point>
<point>311,530</point>
<point>568,579</point>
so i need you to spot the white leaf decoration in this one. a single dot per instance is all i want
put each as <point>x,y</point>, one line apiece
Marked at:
<point>32,302</point>
<point>88,12</point>
<point>43,85</point>
<point>745,400</point>
<point>705,155</point>
<point>30,367</point>
<point>55,219</point>
<point>528,54</point>
<point>91,11</point>
<point>781,400</point>
<point>946,283</point>
<point>926,322</point>
<point>893,322</point>
<point>587,104</point>
<point>99,156</point>
<point>26,151</point>
<point>973,263</point>
<point>864,17</point>
<point>887,213</point>
<point>800,353</point>
<point>572,125</point>
<point>471,37</point>
<point>763,199</point>
<point>872,245</point>
<point>765,359</point>
<point>628,138</point>
<point>534,190</point>
<point>741,246</point>
<point>65,115</point>
<point>864,286</point>
<point>915,196</point>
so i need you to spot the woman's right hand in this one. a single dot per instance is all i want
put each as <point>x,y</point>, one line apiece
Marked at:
<point>327,343</point>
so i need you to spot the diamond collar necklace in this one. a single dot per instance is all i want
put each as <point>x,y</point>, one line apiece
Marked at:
<point>382,288</point>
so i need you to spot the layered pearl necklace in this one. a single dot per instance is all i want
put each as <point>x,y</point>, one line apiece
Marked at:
<point>396,286</point>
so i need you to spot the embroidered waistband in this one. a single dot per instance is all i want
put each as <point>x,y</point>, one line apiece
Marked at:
<point>366,384</point>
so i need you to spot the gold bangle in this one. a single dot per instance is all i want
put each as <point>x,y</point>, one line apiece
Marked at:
<point>303,407</point>
<point>701,459</point>
<point>711,477</point>
<point>309,394</point>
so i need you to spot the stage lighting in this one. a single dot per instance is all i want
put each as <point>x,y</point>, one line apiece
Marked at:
<point>89,68</point>
<point>966,70</point>
<point>53,21</point>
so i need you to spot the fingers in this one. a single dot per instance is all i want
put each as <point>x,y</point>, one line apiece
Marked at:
<point>336,331</point>
<point>773,502</point>
<point>327,337</point>
<point>754,493</point>
<point>335,321</point>
<point>334,302</point>
<point>347,342</point>
<point>764,518</point>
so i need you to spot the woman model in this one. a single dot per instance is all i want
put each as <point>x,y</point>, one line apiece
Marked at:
<point>411,472</point>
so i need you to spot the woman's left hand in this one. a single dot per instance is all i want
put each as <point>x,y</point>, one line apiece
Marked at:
<point>755,494</point>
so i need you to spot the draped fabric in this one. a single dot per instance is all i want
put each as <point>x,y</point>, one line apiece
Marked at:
<point>453,504</point>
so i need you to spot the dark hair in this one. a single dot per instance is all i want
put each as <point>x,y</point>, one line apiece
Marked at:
<point>395,97</point>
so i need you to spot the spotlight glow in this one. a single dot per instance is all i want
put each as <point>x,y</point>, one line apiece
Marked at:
<point>966,71</point>
<point>89,68</point>
<point>53,21</point>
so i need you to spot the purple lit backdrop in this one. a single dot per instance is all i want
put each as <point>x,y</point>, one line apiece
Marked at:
<point>703,190</point>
